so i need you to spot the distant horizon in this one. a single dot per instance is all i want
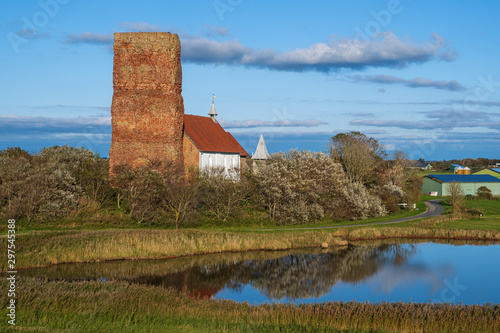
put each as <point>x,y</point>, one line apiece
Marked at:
<point>396,70</point>
<point>106,155</point>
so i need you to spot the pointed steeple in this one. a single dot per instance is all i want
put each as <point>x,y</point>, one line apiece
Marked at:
<point>213,113</point>
<point>261,151</point>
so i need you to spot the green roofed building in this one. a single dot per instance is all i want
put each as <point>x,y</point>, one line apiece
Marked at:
<point>495,172</point>
<point>469,183</point>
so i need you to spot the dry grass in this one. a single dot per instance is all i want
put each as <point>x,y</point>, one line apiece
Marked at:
<point>418,232</point>
<point>123,307</point>
<point>41,248</point>
<point>44,248</point>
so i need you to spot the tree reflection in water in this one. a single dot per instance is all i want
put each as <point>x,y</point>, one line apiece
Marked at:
<point>293,276</point>
<point>313,275</point>
<point>278,275</point>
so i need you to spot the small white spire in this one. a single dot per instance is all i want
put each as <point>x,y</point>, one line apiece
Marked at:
<point>213,113</point>
<point>261,151</point>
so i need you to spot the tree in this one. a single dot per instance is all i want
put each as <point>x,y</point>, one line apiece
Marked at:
<point>413,188</point>
<point>141,188</point>
<point>159,188</point>
<point>15,152</point>
<point>220,194</point>
<point>180,192</point>
<point>357,153</point>
<point>456,196</point>
<point>39,186</point>
<point>300,187</point>
<point>396,171</point>
<point>484,193</point>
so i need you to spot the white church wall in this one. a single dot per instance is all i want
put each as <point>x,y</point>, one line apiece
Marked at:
<point>213,160</point>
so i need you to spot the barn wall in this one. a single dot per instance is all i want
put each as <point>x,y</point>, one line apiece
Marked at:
<point>430,185</point>
<point>471,188</point>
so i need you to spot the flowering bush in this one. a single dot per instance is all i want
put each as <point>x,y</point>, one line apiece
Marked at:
<point>390,195</point>
<point>362,204</point>
<point>220,194</point>
<point>301,186</point>
<point>37,186</point>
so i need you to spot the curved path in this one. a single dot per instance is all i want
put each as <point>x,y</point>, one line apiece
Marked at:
<point>434,209</point>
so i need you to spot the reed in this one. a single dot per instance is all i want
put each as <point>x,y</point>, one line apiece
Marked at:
<point>416,232</point>
<point>42,248</point>
<point>122,307</point>
<point>39,248</point>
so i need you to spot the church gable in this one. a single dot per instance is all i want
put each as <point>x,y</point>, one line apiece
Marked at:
<point>208,145</point>
<point>209,136</point>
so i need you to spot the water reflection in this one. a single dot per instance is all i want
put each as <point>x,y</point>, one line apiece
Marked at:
<point>299,275</point>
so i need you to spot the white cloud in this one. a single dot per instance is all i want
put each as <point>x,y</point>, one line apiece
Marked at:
<point>412,83</point>
<point>140,27</point>
<point>384,50</point>
<point>273,123</point>
<point>216,31</point>
<point>32,34</point>
<point>90,38</point>
<point>27,124</point>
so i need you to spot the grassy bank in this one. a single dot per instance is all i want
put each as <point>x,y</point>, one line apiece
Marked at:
<point>45,305</point>
<point>249,219</point>
<point>122,307</point>
<point>40,248</point>
<point>36,248</point>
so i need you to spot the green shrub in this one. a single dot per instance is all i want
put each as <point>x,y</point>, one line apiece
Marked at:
<point>484,193</point>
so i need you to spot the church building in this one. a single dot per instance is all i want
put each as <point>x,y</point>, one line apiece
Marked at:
<point>147,111</point>
<point>207,145</point>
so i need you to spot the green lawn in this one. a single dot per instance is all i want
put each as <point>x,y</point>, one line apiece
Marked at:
<point>434,172</point>
<point>119,307</point>
<point>325,222</point>
<point>490,219</point>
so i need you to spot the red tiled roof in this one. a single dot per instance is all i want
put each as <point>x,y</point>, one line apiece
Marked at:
<point>209,136</point>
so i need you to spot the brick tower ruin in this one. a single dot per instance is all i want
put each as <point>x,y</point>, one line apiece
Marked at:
<point>147,109</point>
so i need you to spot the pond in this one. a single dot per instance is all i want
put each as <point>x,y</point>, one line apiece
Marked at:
<point>466,273</point>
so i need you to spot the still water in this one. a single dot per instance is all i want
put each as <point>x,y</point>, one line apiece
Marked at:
<point>392,272</point>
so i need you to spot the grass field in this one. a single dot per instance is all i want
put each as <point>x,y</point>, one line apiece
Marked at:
<point>58,306</point>
<point>120,307</point>
<point>434,172</point>
<point>59,245</point>
<point>490,219</point>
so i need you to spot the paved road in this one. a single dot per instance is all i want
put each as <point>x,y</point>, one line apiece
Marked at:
<point>435,209</point>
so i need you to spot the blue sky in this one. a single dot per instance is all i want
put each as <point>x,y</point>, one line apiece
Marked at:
<point>420,76</point>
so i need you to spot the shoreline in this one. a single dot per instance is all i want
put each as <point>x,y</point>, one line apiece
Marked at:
<point>59,305</point>
<point>184,243</point>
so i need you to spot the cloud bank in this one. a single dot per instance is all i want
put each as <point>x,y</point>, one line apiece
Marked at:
<point>383,50</point>
<point>412,83</point>
<point>26,125</point>
<point>439,119</point>
<point>275,123</point>
<point>90,38</point>
<point>386,50</point>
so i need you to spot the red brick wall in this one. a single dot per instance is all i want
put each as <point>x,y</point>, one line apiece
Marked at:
<point>147,109</point>
<point>191,154</point>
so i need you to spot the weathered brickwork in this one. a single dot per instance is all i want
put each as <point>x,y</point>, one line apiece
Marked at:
<point>191,154</point>
<point>147,109</point>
